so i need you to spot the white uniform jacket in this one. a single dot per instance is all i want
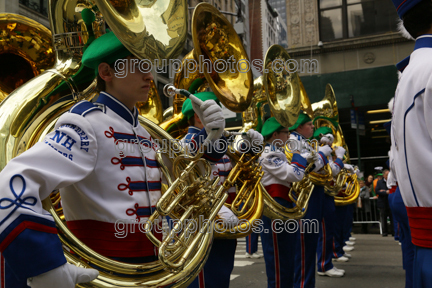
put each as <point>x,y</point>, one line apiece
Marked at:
<point>278,173</point>
<point>411,134</point>
<point>103,162</point>
<point>220,167</point>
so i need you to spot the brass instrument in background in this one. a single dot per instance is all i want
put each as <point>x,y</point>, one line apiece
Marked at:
<point>281,92</point>
<point>31,110</point>
<point>312,110</point>
<point>25,49</point>
<point>324,110</point>
<point>214,39</point>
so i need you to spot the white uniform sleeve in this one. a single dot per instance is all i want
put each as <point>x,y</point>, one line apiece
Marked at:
<point>28,238</point>
<point>336,166</point>
<point>280,169</point>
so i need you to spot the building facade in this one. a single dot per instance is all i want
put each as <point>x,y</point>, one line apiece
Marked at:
<point>353,45</point>
<point>264,27</point>
<point>280,7</point>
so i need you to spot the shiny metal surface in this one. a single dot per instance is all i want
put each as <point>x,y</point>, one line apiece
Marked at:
<point>282,87</point>
<point>26,43</point>
<point>215,38</point>
<point>150,29</point>
<point>328,106</point>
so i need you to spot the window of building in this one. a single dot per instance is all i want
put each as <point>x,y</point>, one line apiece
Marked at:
<point>40,6</point>
<point>341,19</point>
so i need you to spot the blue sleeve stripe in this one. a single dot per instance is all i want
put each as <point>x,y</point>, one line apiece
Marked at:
<point>23,218</point>
<point>339,163</point>
<point>32,252</point>
<point>300,160</point>
<point>324,158</point>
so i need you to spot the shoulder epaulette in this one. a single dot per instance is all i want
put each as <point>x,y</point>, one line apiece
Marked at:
<point>84,107</point>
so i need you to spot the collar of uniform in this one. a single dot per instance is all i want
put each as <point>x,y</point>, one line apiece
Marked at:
<point>424,41</point>
<point>193,129</point>
<point>119,108</point>
<point>297,134</point>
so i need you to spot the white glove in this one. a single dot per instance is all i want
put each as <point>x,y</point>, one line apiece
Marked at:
<point>210,114</point>
<point>228,216</point>
<point>340,152</point>
<point>326,150</point>
<point>253,138</point>
<point>357,172</point>
<point>65,276</point>
<point>312,158</point>
<point>327,139</point>
<point>349,167</point>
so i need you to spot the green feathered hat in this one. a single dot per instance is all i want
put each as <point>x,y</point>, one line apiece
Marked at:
<point>271,126</point>
<point>322,130</point>
<point>302,119</point>
<point>187,108</point>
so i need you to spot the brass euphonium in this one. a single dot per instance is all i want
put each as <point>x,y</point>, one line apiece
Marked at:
<point>30,111</point>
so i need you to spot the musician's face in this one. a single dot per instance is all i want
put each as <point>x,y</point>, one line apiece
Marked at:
<point>284,135</point>
<point>306,130</point>
<point>281,137</point>
<point>132,87</point>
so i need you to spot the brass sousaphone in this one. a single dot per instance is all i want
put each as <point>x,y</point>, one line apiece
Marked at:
<point>327,115</point>
<point>279,88</point>
<point>30,111</point>
<point>216,42</point>
<point>26,50</point>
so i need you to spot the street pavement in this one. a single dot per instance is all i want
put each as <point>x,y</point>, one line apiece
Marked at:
<point>376,263</point>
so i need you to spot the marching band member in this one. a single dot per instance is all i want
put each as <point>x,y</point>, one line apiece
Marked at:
<point>279,243</point>
<point>399,210</point>
<point>99,181</point>
<point>307,243</point>
<point>220,263</point>
<point>411,134</point>
<point>328,222</point>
